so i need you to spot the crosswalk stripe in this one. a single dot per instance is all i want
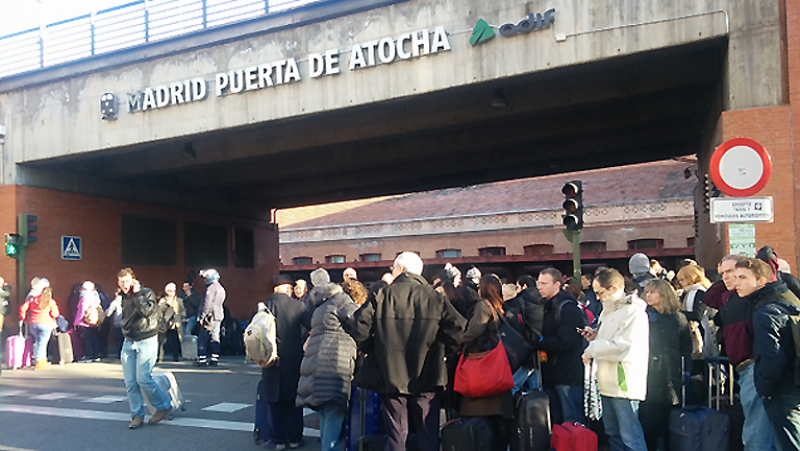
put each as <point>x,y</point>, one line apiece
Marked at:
<point>106,399</point>
<point>227,407</point>
<point>54,396</point>
<point>115,416</point>
<point>5,393</point>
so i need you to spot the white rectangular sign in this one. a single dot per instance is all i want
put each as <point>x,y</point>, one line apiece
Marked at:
<point>741,209</point>
<point>742,239</point>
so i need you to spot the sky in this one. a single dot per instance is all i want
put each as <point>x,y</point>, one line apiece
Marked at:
<point>19,15</point>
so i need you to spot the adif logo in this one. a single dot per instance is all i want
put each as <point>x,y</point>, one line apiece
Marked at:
<point>483,32</point>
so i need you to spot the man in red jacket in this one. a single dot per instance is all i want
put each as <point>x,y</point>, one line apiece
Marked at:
<point>737,317</point>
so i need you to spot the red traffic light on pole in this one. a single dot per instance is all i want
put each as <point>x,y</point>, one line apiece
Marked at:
<point>573,205</point>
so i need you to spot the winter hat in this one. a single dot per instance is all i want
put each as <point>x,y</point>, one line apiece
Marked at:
<point>474,273</point>
<point>211,275</point>
<point>768,255</point>
<point>639,264</point>
<point>320,277</point>
<point>281,279</point>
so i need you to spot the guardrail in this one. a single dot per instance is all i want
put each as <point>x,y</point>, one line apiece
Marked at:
<point>135,23</point>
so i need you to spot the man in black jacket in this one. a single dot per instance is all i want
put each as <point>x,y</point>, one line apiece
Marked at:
<point>773,348</point>
<point>191,302</point>
<point>562,373</point>
<point>140,318</point>
<point>527,310</point>
<point>280,381</point>
<point>408,324</point>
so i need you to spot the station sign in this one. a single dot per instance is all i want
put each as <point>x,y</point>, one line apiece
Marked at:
<point>743,210</point>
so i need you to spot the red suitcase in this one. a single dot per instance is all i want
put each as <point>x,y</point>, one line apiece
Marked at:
<point>572,437</point>
<point>18,351</point>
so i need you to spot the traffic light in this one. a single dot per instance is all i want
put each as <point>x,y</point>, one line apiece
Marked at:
<point>13,245</point>
<point>573,205</point>
<point>709,190</point>
<point>26,226</point>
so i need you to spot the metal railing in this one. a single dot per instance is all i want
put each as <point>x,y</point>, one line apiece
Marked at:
<point>135,23</point>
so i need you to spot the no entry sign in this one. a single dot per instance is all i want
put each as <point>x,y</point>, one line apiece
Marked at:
<point>740,167</point>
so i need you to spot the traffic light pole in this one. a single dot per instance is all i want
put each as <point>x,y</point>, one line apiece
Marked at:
<point>22,225</point>
<point>574,236</point>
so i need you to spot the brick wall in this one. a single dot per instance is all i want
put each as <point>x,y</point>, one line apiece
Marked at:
<point>98,222</point>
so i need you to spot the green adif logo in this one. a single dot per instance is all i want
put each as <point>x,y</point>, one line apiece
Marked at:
<point>484,32</point>
<point>481,33</point>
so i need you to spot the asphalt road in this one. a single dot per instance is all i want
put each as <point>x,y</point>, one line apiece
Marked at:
<point>82,407</point>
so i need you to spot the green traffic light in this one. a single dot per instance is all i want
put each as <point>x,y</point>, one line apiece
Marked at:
<point>11,250</point>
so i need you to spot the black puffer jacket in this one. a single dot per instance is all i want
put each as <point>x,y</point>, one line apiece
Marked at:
<point>664,372</point>
<point>327,368</point>
<point>140,315</point>
<point>773,346</point>
<point>561,341</point>
<point>411,324</point>
<point>527,306</point>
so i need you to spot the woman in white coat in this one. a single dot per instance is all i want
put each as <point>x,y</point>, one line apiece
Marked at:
<point>620,348</point>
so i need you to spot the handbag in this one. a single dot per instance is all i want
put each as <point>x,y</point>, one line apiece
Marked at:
<point>518,349</point>
<point>484,374</point>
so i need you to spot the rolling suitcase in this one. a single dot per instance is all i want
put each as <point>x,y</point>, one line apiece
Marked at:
<point>365,417</point>
<point>572,437</point>
<point>77,343</point>
<point>166,380</point>
<point>467,434</point>
<point>189,347</point>
<point>60,349</point>
<point>18,351</point>
<point>699,428</point>
<point>532,420</point>
<point>262,432</point>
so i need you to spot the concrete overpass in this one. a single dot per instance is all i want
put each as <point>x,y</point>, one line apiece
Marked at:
<point>347,99</point>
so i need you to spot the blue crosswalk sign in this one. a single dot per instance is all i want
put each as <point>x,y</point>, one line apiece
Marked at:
<point>71,247</point>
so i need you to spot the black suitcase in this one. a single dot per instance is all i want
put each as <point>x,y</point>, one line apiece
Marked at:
<point>700,428</point>
<point>532,423</point>
<point>59,349</point>
<point>467,434</point>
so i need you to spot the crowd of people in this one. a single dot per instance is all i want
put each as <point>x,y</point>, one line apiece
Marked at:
<point>612,352</point>
<point>644,340</point>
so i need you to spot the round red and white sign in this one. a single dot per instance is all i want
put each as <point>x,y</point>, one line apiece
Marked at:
<point>740,167</point>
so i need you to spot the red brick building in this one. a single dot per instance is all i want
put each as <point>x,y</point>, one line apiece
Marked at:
<point>511,227</point>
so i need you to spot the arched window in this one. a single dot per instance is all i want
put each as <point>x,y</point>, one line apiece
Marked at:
<point>334,259</point>
<point>492,251</point>
<point>593,246</point>
<point>370,257</point>
<point>448,253</point>
<point>302,261</point>
<point>538,249</point>
<point>645,243</point>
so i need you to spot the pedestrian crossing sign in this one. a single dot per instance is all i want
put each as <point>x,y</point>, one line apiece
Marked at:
<point>71,247</point>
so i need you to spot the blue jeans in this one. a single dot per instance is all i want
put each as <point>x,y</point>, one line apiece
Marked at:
<point>621,421</point>
<point>190,322</point>
<point>525,379</point>
<point>331,417</point>
<point>783,411</point>
<point>571,397</point>
<point>757,434</point>
<point>138,359</point>
<point>41,337</point>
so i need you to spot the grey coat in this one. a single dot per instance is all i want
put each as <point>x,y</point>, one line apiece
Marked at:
<point>330,355</point>
<point>215,297</point>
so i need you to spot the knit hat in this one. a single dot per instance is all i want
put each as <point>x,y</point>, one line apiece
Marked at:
<point>320,277</point>
<point>451,271</point>
<point>474,273</point>
<point>639,264</point>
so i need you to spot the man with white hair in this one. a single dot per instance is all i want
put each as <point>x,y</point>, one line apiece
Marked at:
<point>349,274</point>
<point>410,323</point>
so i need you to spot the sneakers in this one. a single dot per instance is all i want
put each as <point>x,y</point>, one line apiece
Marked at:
<point>159,415</point>
<point>297,445</point>
<point>136,422</point>
<point>272,445</point>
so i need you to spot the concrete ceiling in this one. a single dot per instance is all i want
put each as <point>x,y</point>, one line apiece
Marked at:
<point>645,107</point>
